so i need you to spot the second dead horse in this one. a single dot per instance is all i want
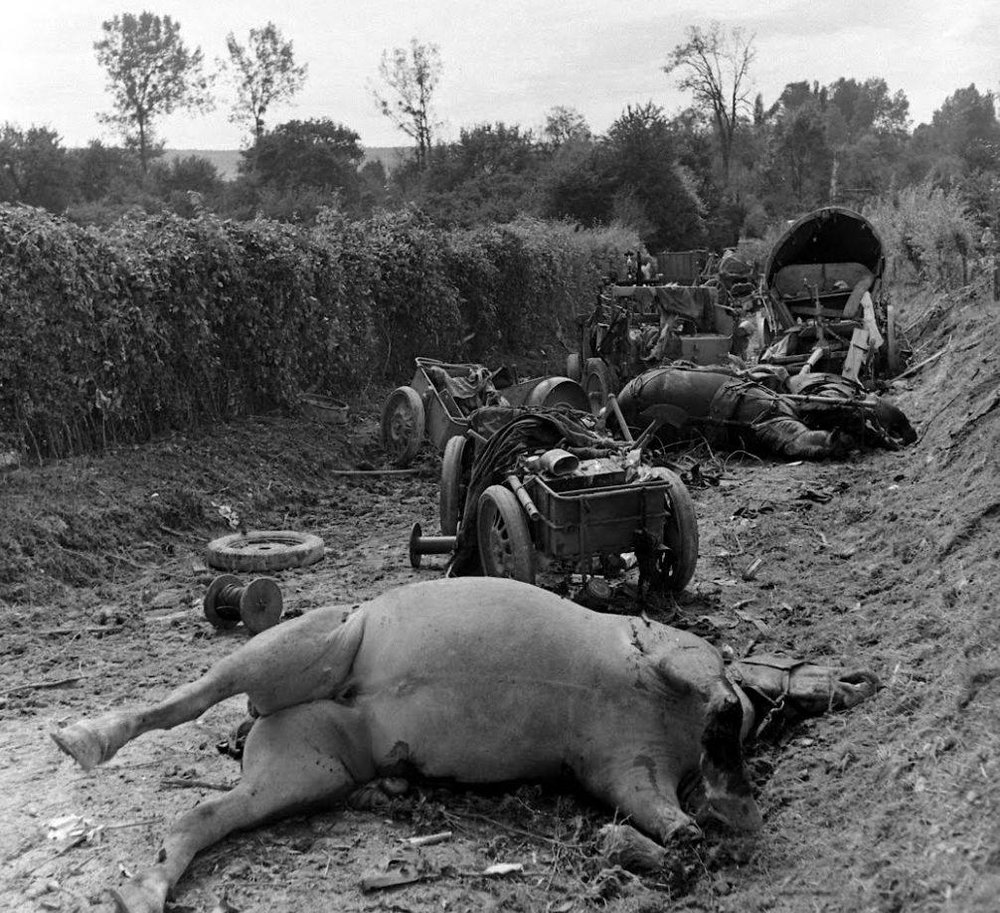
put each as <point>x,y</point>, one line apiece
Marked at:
<point>757,412</point>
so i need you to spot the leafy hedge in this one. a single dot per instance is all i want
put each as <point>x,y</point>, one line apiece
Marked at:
<point>163,323</point>
<point>929,229</point>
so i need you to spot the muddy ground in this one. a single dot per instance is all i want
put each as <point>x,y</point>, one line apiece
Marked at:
<point>887,562</point>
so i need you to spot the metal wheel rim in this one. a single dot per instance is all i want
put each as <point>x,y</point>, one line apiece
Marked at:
<point>499,546</point>
<point>402,427</point>
<point>596,392</point>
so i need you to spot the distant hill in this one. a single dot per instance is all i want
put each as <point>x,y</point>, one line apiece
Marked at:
<point>227,161</point>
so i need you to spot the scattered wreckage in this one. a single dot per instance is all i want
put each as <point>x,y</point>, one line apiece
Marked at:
<point>821,303</point>
<point>437,402</point>
<point>477,681</point>
<point>808,416</point>
<point>530,481</point>
<point>635,327</point>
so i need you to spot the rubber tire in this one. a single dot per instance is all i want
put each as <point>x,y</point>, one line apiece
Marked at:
<point>598,383</point>
<point>505,546</point>
<point>402,426</point>
<point>264,550</point>
<point>455,471</point>
<point>574,366</point>
<point>680,533</point>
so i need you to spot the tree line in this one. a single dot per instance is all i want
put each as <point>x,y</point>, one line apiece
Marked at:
<point>729,166</point>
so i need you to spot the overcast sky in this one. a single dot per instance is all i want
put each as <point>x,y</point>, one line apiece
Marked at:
<point>504,60</point>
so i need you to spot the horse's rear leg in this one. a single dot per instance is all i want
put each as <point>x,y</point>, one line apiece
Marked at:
<point>310,754</point>
<point>292,663</point>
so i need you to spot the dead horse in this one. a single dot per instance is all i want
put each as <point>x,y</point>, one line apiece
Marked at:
<point>479,680</point>
<point>733,411</point>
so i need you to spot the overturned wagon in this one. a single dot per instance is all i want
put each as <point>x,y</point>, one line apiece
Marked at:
<point>826,304</point>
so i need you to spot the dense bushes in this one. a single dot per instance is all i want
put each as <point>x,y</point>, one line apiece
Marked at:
<point>928,229</point>
<point>161,323</point>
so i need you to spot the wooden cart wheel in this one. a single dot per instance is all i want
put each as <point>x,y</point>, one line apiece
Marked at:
<point>456,467</point>
<point>505,547</point>
<point>574,366</point>
<point>402,425</point>
<point>680,534</point>
<point>598,382</point>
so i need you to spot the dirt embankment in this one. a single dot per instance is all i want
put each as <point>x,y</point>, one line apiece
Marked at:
<point>889,562</point>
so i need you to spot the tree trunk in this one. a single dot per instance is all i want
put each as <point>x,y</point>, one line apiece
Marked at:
<point>142,147</point>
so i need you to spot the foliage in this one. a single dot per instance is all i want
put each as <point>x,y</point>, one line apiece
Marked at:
<point>564,124</point>
<point>34,168</point>
<point>263,73</point>
<point>928,228</point>
<point>415,305</point>
<point>487,176</point>
<point>316,153</point>
<point>186,183</point>
<point>522,284</point>
<point>165,322</point>
<point>409,84</point>
<point>639,159</point>
<point>102,171</point>
<point>966,127</point>
<point>151,73</point>
<point>715,67</point>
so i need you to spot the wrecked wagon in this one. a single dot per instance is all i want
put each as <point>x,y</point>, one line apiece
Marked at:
<point>825,300</point>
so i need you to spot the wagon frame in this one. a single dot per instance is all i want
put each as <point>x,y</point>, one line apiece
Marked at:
<point>570,518</point>
<point>422,410</point>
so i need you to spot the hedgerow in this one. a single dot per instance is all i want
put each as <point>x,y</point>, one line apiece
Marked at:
<point>929,229</point>
<point>161,323</point>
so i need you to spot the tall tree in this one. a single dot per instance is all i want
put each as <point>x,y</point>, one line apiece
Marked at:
<point>315,153</point>
<point>966,126</point>
<point>263,72</point>
<point>639,162</point>
<point>151,73</point>
<point>410,80</point>
<point>714,65</point>
<point>102,170</point>
<point>488,175</point>
<point>866,132</point>
<point>563,125</point>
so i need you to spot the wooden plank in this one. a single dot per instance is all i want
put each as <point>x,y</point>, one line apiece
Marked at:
<point>857,354</point>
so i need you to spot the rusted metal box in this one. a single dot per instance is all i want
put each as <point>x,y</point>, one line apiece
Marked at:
<point>601,520</point>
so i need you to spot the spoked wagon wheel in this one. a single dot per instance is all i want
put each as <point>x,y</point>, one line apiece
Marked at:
<point>505,546</point>
<point>456,467</point>
<point>598,382</point>
<point>402,425</point>
<point>680,534</point>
